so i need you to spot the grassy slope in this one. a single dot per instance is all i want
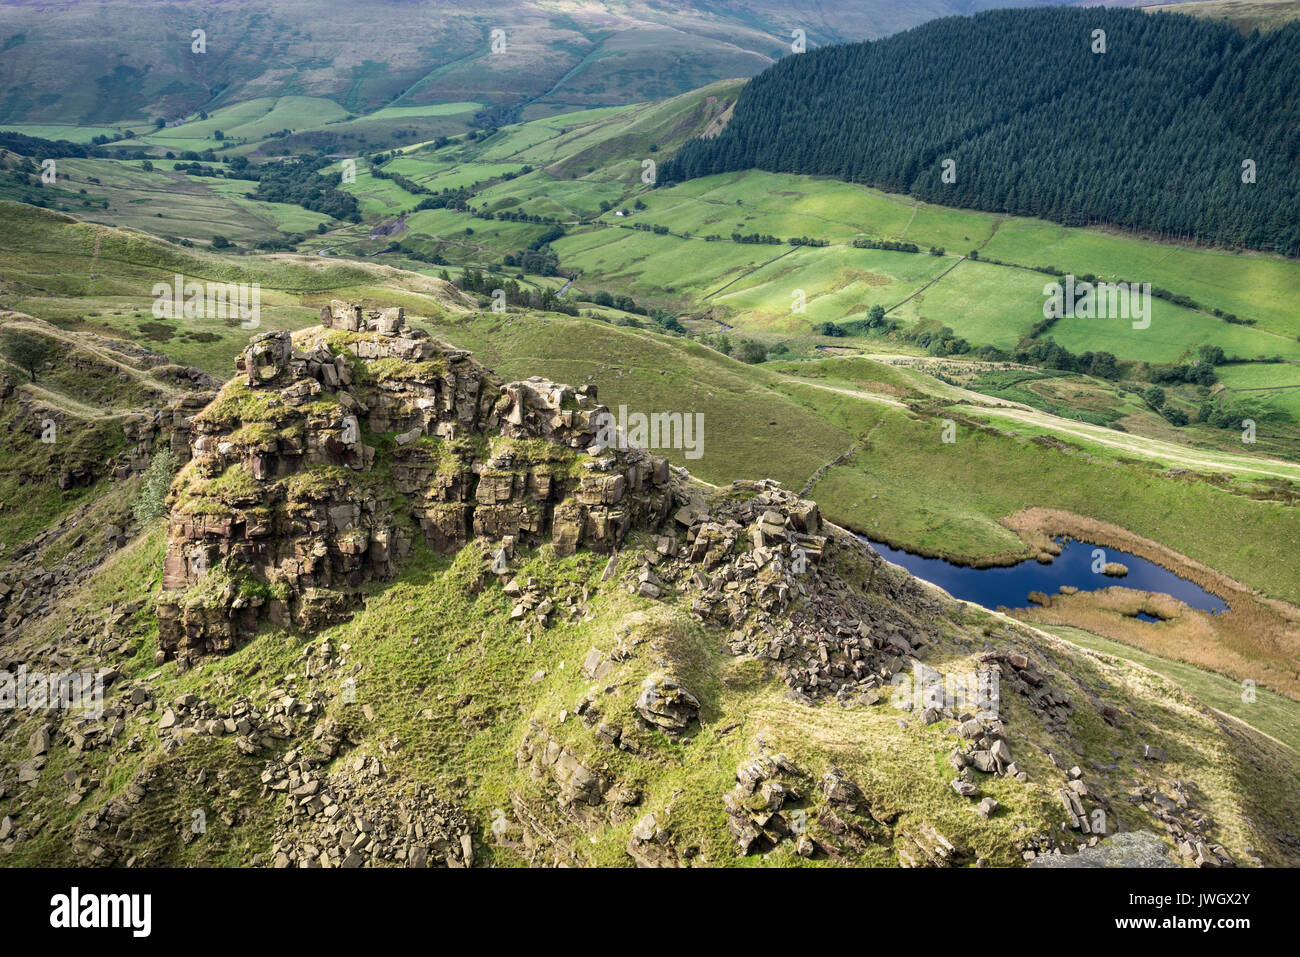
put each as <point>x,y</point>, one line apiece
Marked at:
<point>92,389</point>
<point>1269,712</point>
<point>928,495</point>
<point>981,301</point>
<point>906,466</point>
<point>448,685</point>
<point>102,279</point>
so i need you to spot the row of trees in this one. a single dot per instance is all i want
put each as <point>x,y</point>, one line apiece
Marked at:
<point>486,284</point>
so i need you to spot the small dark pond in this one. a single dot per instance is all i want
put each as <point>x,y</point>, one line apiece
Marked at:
<point>1010,586</point>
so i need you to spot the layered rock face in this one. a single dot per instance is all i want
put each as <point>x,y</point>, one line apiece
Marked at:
<point>337,447</point>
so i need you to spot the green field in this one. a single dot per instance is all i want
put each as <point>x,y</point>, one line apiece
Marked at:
<point>426,109</point>
<point>1254,285</point>
<point>566,200</point>
<point>1275,387</point>
<point>840,284</point>
<point>436,175</point>
<point>169,203</point>
<point>56,131</point>
<point>444,231</point>
<point>251,120</point>
<point>784,205</point>
<point>1270,712</point>
<point>379,198</point>
<point>587,160</point>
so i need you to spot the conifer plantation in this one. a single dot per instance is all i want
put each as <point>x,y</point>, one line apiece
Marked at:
<point>1150,135</point>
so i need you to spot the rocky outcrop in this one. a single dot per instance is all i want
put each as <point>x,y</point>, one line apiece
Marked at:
<point>548,759</point>
<point>748,557</point>
<point>666,705</point>
<point>772,802</point>
<point>924,845</point>
<point>583,790</point>
<point>651,845</point>
<point>315,471</point>
<point>1130,849</point>
<point>986,751</point>
<point>761,808</point>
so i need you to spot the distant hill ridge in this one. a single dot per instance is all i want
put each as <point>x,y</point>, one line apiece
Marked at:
<point>124,60</point>
<point>1153,134</point>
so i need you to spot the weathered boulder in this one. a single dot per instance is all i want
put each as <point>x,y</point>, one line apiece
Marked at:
<point>266,358</point>
<point>666,705</point>
<point>1126,849</point>
<point>650,845</point>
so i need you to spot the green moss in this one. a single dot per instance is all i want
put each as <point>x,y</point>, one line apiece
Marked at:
<point>338,341</point>
<point>255,588</point>
<point>539,455</point>
<point>238,404</point>
<point>447,456</point>
<point>327,406</point>
<point>235,486</point>
<point>317,482</point>
<point>255,434</point>
<point>267,434</point>
<point>209,591</point>
<point>399,370</point>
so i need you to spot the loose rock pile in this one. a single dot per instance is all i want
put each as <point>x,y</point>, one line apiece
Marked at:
<point>1020,676</point>
<point>1188,827</point>
<point>355,818</point>
<point>773,801</point>
<point>535,605</point>
<point>846,823</point>
<point>986,751</point>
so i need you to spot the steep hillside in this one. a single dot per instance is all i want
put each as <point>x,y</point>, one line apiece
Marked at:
<point>1055,113</point>
<point>1245,15</point>
<point>79,425</point>
<point>404,613</point>
<point>135,59</point>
